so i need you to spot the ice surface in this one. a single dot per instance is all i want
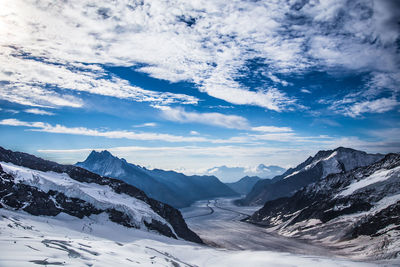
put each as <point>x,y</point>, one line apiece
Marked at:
<point>378,176</point>
<point>28,240</point>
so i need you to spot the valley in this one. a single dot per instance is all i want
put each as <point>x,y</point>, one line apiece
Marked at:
<point>58,214</point>
<point>218,223</point>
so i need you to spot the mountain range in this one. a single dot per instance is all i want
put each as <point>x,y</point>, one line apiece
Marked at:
<point>351,204</point>
<point>45,188</point>
<point>244,185</point>
<point>230,174</point>
<point>325,162</point>
<point>173,188</point>
<point>356,210</point>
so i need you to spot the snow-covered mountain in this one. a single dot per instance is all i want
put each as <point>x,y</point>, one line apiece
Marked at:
<point>234,173</point>
<point>244,185</point>
<point>357,211</point>
<point>313,169</point>
<point>62,240</point>
<point>41,187</point>
<point>173,188</point>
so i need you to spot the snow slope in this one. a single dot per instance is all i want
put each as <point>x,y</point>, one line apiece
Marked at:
<point>100,196</point>
<point>63,240</point>
<point>42,187</point>
<point>378,176</point>
<point>311,170</point>
<point>356,211</point>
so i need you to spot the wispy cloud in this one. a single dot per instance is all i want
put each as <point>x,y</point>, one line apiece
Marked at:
<point>39,111</point>
<point>269,133</point>
<point>122,134</point>
<point>271,129</point>
<point>47,83</point>
<point>147,124</point>
<point>213,118</point>
<point>211,50</point>
<point>187,157</point>
<point>181,157</point>
<point>352,108</point>
<point>61,129</point>
<point>305,91</point>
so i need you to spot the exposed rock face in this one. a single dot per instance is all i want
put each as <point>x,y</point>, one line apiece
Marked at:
<point>310,171</point>
<point>344,207</point>
<point>38,201</point>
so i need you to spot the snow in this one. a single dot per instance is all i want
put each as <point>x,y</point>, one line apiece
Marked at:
<point>330,158</point>
<point>378,176</point>
<point>101,196</point>
<point>385,202</point>
<point>294,173</point>
<point>330,165</point>
<point>95,241</point>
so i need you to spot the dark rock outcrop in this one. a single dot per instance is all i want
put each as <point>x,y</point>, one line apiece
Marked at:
<point>51,203</point>
<point>343,207</point>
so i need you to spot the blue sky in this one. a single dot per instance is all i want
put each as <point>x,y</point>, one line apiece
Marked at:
<point>189,85</point>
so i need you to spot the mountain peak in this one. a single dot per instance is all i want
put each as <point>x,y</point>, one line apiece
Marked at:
<point>94,155</point>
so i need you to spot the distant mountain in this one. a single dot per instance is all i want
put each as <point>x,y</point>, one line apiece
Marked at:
<point>45,188</point>
<point>104,163</point>
<point>357,210</point>
<point>244,185</point>
<point>170,187</point>
<point>313,169</point>
<point>234,173</point>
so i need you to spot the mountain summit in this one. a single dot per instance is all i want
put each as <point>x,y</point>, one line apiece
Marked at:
<point>357,210</point>
<point>325,162</point>
<point>231,174</point>
<point>170,187</point>
<point>45,188</point>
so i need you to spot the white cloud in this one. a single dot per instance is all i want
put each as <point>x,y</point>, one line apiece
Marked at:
<point>186,158</point>
<point>305,91</point>
<point>34,82</point>
<point>60,129</point>
<point>355,109</point>
<point>15,122</point>
<point>271,129</point>
<point>39,111</point>
<point>147,124</point>
<point>217,119</point>
<point>63,45</point>
<point>269,133</point>
<point>121,134</point>
<point>376,106</point>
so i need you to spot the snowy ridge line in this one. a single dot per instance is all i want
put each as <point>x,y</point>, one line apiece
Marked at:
<point>91,184</point>
<point>320,166</point>
<point>343,209</point>
<point>102,197</point>
<point>376,177</point>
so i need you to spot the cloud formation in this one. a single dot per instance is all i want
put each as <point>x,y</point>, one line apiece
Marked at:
<point>38,111</point>
<point>213,118</point>
<point>63,46</point>
<point>61,129</point>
